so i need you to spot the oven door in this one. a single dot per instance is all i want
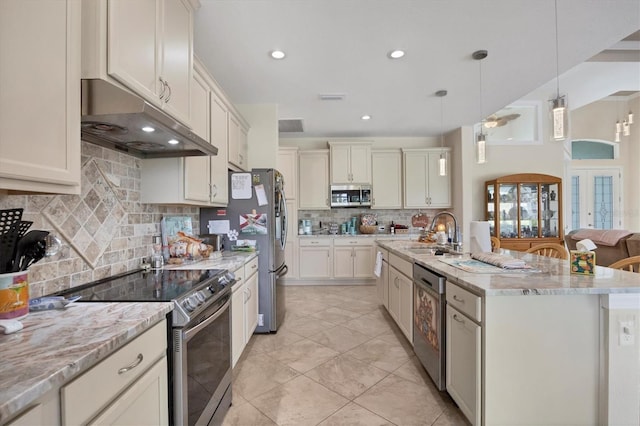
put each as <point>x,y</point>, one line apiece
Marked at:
<point>202,366</point>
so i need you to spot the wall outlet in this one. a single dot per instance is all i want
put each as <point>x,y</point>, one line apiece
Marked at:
<point>261,320</point>
<point>626,333</point>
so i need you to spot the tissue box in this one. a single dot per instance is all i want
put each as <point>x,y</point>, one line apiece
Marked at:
<point>582,262</point>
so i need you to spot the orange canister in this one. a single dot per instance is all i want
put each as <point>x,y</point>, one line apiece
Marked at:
<point>14,295</point>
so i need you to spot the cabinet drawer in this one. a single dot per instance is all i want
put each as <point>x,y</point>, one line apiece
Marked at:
<point>464,301</point>
<point>352,242</point>
<point>314,242</point>
<point>401,265</point>
<point>251,268</point>
<point>87,395</point>
<point>240,277</point>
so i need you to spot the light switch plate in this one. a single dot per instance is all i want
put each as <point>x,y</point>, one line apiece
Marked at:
<point>626,333</point>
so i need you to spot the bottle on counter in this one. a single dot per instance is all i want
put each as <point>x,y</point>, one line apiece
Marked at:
<point>393,228</point>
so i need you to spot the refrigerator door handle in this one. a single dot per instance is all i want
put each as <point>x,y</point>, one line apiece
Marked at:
<point>282,272</point>
<point>283,237</point>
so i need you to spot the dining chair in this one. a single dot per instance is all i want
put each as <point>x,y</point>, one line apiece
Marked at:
<point>631,264</point>
<point>495,243</point>
<point>550,250</point>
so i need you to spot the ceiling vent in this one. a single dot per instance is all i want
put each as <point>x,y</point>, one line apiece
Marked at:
<point>332,96</point>
<point>290,125</point>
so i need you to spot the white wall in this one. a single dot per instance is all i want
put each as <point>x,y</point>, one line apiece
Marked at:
<point>263,135</point>
<point>378,143</point>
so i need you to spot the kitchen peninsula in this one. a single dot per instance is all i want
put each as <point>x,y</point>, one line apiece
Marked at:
<point>542,347</point>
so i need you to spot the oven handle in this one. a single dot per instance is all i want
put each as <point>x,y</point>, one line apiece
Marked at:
<point>188,335</point>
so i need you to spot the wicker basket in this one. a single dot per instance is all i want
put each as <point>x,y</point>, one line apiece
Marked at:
<point>368,229</point>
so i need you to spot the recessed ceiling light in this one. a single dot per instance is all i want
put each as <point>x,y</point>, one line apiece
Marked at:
<point>366,117</point>
<point>148,129</point>
<point>396,54</point>
<point>173,141</point>
<point>277,54</point>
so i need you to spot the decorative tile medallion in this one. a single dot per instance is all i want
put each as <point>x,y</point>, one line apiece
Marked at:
<point>88,221</point>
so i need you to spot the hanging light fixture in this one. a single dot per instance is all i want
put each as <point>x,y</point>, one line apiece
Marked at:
<point>481,141</point>
<point>559,108</point>
<point>442,162</point>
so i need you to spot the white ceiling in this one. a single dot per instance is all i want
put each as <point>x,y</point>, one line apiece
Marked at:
<point>341,46</point>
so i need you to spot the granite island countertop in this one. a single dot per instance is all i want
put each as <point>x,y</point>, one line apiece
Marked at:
<point>230,260</point>
<point>548,276</point>
<point>55,346</point>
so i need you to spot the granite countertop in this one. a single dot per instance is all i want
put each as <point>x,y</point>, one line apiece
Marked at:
<point>230,260</point>
<point>56,345</point>
<point>374,236</point>
<point>548,276</point>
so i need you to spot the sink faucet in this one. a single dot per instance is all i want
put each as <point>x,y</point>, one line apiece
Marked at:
<point>457,245</point>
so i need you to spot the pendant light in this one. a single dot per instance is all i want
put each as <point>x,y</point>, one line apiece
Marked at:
<point>442,162</point>
<point>559,111</point>
<point>481,142</point>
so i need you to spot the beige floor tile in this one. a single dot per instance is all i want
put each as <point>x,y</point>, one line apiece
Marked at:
<point>237,399</point>
<point>358,306</point>
<point>370,324</point>
<point>452,416</point>
<point>347,376</point>
<point>413,371</point>
<point>272,342</point>
<point>354,415</point>
<point>306,326</point>
<point>259,373</point>
<point>380,354</point>
<point>306,306</point>
<point>336,315</point>
<point>396,336</point>
<point>300,401</point>
<point>304,355</point>
<point>403,402</point>
<point>245,415</point>
<point>329,299</point>
<point>340,338</point>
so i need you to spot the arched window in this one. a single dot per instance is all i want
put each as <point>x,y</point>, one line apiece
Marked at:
<point>593,150</point>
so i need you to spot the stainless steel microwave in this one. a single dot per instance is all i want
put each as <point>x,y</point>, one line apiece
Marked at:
<point>350,195</point>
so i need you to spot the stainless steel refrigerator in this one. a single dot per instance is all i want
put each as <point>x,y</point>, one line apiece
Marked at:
<point>257,210</point>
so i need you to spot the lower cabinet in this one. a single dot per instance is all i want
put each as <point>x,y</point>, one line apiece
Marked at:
<point>128,387</point>
<point>244,308</point>
<point>382,282</point>
<point>316,258</point>
<point>352,258</point>
<point>401,301</point>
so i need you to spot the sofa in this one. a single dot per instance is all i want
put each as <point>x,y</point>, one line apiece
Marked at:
<point>613,245</point>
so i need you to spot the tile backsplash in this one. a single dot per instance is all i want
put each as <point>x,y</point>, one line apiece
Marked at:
<point>105,230</point>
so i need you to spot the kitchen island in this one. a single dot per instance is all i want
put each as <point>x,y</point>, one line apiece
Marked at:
<point>542,346</point>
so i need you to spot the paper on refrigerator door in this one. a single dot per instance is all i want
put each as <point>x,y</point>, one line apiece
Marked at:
<point>241,186</point>
<point>261,195</point>
<point>218,226</point>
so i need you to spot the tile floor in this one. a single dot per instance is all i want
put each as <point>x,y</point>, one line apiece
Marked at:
<point>338,359</point>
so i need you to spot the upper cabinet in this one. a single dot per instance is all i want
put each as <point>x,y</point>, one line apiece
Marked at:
<point>40,96</point>
<point>313,188</point>
<point>147,45</point>
<point>288,166</point>
<point>219,137</point>
<point>423,186</point>
<point>386,168</point>
<point>238,134</point>
<point>350,162</point>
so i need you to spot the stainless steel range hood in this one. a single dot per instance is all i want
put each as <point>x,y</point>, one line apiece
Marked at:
<point>115,118</point>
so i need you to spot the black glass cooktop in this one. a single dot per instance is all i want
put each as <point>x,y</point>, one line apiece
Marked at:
<point>148,286</point>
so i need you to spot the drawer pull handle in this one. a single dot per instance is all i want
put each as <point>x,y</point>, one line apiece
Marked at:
<point>254,267</point>
<point>455,317</point>
<point>457,299</point>
<point>132,366</point>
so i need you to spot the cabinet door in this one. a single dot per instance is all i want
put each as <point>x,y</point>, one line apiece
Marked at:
<point>237,323</point>
<point>363,262</point>
<point>394,293</point>
<point>291,258</point>
<point>251,306</point>
<point>219,163</point>
<point>133,28</point>
<point>196,169</point>
<point>144,403</point>
<point>415,180</point>
<point>234,140</point>
<point>463,363</point>
<point>313,188</point>
<point>315,262</point>
<point>360,163</point>
<point>405,306</point>
<point>288,166</point>
<point>40,96</point>
<point>340,164</point>
<point>343,262</point>
<point>386,169</point>
<point>439,190</point>
<point>243,149</point>
<point>176,57</point>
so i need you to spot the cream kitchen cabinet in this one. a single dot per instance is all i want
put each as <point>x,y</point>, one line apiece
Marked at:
<point>244,308</point>
<point>313,188</point>
<point>40,96</point>
<point>316,257</point>
<point>288,166</point>
<point>133,386</point>
<point>147,45</point>
<point>219,138</point>
<point>237,146</point>
<point>401,294</point>
<point>386,171</point>
<point>382,282</point>
<point>350,162</point>
<point>423,186</point>
<point>352,258</point>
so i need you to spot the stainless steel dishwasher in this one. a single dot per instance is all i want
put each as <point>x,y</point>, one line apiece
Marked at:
<point>429,322</point>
